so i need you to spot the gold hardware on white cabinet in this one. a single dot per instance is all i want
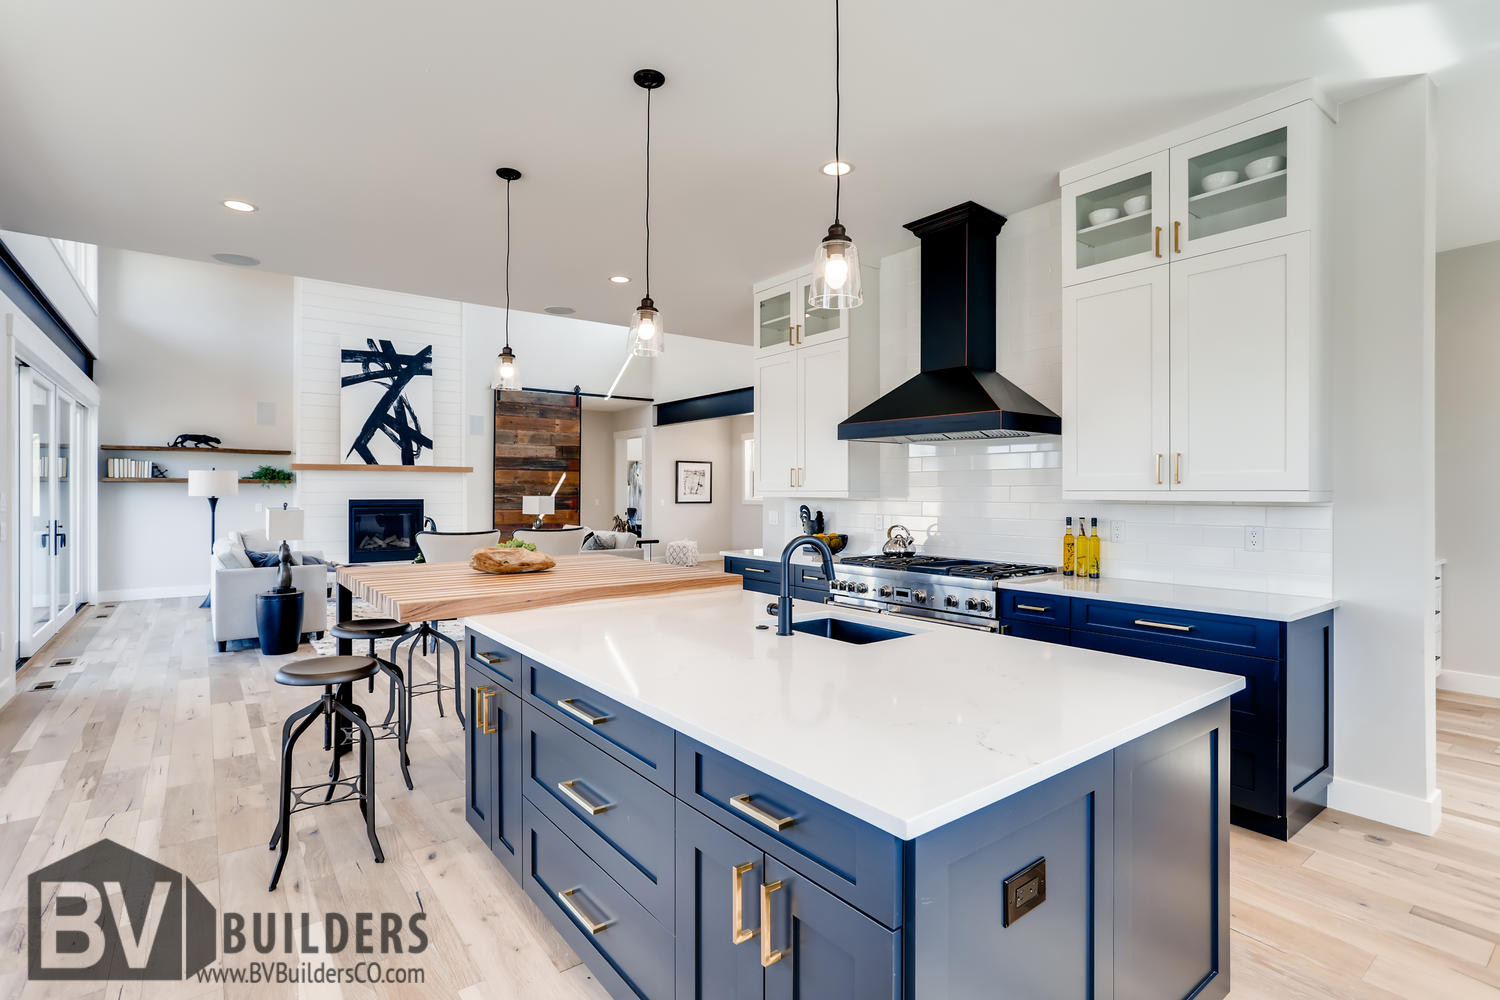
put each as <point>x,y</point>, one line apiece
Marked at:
<point>791,476</point>
<point>1032,607</point>
<point>799,333</point>
<point>568,789</point>
<point>739,933</point>
<point>789,335</point>
<point>589,924</point>
<point>1169,626</point>
<point>755,812</point>
<point>768,957</point>
<point>570,706</point>
<point>1177,468</point>
<point>1158,468</point>
<point>1157,241</point>
<point>1176,236</point>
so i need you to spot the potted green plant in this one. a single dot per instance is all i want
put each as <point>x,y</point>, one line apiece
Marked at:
<point>269,475</point>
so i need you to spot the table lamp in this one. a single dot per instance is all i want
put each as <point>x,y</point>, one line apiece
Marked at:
<point>540,506</point>
<point>285,523</point>
<point>212,483</point>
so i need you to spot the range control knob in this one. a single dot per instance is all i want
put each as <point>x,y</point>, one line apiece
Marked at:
<point>950,601</point>
<point>986,606</point>
<point>885,591</point>
<point>972,604</point>
<point>920,596</point>
<point>862,587</point>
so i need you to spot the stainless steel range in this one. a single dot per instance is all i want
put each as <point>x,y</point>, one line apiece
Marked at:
<point>961,591</point>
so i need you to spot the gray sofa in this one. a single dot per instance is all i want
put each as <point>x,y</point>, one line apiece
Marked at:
<point>235,582</point>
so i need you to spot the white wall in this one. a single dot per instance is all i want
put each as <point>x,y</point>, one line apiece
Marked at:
<point>192,347</point>
<point>597,469</point>
<point>1468,475</point>
<point>1383,447</point>
<point>744,516</point>
<point>39,256</point>
<point>1004,501</point>
<point>690,367</point>
<point>710,524</point>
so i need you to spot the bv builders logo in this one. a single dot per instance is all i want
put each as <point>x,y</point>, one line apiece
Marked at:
<point>108,913</point>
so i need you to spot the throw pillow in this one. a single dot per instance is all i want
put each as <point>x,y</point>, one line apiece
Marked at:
<point>227,555</point>
<point>260,560</point>
<point>596,542</point>
<point>303,559</point>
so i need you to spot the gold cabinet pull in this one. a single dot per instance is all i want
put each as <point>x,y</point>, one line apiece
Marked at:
<point>492,658</point>
<point>1157,241</point>
<point>491,724</point>
<point>480,697</point>
<point>1169,626</point>
<point>1158,468</point>
<point>1005,630</point>
<point>566,787</point>
<point>799,333</point>
<point>1176,236</point>
<point>739,933</point>
<point>589,924</point>
<point>768,957</point>
<point>570,705</point>
<point>1032,607</point>
<point>789,340</point>
<point>1177,468</point>
<point>755,812</point>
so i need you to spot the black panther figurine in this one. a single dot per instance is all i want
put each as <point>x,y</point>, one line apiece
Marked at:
<point>196,441</point>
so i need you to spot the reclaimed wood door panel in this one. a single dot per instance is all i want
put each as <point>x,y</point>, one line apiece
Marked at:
<point>538,437</point>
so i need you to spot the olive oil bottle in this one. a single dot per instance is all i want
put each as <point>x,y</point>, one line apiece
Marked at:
<point>1067,560</point>
<point>1094,549</point>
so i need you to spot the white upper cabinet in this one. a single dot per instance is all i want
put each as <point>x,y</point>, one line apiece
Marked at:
<point>784,321</point>
<point>1116,221</point>
<point>1197,374</point>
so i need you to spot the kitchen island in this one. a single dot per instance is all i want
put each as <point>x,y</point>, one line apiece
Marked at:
<point>862,809</point>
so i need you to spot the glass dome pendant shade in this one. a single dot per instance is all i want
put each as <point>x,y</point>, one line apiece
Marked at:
<point>507,375</point>
<point>646,339</point>
<point>835,272</point>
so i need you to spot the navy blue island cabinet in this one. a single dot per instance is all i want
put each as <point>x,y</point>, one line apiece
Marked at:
<point>677,872</point>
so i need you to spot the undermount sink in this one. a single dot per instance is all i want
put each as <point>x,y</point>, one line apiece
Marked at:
<point>857,633</point>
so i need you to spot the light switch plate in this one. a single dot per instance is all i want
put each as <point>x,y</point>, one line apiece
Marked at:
<point>1117,530</point>
<point>1025,891</point>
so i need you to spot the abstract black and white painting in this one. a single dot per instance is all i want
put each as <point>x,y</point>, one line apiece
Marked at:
<point>385,403</point>
<point>695,482</point>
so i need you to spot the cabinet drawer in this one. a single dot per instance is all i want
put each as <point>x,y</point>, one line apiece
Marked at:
<point>620,818</point>
<point>639,743</point>
<point>1042,633</point>
<point>1254,764</point>
<point>1045,609</point>
<point>1246,636</point>
<point>620,942</point>
<point>805,577</point>
<point>495,657</point>
<point>847,856</point>
<point>762,570</point>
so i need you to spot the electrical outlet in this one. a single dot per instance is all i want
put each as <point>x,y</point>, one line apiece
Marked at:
<point>260,508</point>
<point>1117,530</point>
<point>1255,538</point>
<point>773,517</point>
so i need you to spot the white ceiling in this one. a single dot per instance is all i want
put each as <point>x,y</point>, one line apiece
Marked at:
<point>368,130</point>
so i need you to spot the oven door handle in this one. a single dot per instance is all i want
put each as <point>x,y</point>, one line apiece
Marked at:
<point>978,626</point>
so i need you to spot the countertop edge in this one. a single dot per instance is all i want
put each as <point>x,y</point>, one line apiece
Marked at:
<point>903,829</point>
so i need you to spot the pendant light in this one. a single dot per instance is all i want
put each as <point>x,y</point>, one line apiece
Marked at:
<point>646,334</point>
<point>835,266</point>
<point>507,376</point>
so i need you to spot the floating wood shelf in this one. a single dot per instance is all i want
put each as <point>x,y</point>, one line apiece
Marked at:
<point>174,479</point>
<point>207,451</point>
<point>346,467</point>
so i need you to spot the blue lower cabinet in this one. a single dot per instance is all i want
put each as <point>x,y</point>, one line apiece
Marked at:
<point>719,877</point>
<point>1041,633</point>
<point>820,946</point>
<point>640,743</point>
<point>492,763</point>
<point>616,937</point>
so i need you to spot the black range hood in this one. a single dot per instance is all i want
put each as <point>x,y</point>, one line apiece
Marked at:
<point>958,395</point>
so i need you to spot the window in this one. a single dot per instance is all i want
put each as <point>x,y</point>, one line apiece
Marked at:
<point>83,261</point>
<point>747,467</point>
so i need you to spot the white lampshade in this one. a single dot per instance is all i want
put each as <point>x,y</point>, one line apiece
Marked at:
<point>539,506</point>
<point>213,482</point>
<point>283,524</point>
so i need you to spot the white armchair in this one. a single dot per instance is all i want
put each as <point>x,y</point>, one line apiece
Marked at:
<point>235,582</point>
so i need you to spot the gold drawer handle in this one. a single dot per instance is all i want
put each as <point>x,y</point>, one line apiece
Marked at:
<point>1158,468</point>
<point>593,809</point>
<point>1177,469</point>
<point>1158,241</point>
<point>570,705</point>
<point>493,658</point>
<point>739,934</point>
<point>1032,607</point>
<point>592,926</point>
<point>755,812</point>
<point>768,957</point>
<point>1165,625</point>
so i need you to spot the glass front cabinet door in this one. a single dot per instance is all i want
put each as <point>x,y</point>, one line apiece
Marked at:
<point>775,319</point>
<point>815,326</point>
<point>1244,184</point>
<point>1115,221</point>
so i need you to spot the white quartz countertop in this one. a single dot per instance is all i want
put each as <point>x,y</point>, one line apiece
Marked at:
<point>1245,603</point>
<point>909,734</point>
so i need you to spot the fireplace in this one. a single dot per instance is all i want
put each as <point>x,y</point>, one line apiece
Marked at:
<point>384,530</point>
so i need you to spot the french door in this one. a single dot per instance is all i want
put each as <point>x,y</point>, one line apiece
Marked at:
<point>50,427</point>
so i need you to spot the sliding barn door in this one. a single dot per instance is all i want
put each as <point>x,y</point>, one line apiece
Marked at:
<point>538,437</point>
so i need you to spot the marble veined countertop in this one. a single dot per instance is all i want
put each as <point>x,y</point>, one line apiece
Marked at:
<point>908,734</point>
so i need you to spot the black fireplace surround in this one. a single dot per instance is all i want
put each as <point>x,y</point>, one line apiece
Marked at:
<point>384,530</point>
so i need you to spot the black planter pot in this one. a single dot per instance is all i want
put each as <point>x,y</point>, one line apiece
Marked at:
<point>279,618</point>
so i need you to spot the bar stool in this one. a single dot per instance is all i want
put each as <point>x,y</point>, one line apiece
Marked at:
<point>442,547</point>
<point>325,672</point>
<point>399,704</point>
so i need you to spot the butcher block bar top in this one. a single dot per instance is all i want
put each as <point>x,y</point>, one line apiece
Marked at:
<point>417,592</point>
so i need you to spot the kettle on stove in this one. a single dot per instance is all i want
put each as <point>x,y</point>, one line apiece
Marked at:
<point>898,541</point>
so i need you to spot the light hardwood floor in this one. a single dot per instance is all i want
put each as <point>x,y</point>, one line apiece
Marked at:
<point>156,741</point>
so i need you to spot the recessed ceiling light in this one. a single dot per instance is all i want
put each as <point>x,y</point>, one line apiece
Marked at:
<point>237,259</point>
<point>619,279</point>
<point>235,205</point>
<point>560,310</point>
<point>836,168</point>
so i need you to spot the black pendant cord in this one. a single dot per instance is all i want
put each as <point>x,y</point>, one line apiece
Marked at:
<point>838,114</point>
<point>648,194</point>
<point>507,264</point>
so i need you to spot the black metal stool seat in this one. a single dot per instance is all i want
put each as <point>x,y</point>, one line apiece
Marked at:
<point>370,628</point>
<point>326,672</point>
